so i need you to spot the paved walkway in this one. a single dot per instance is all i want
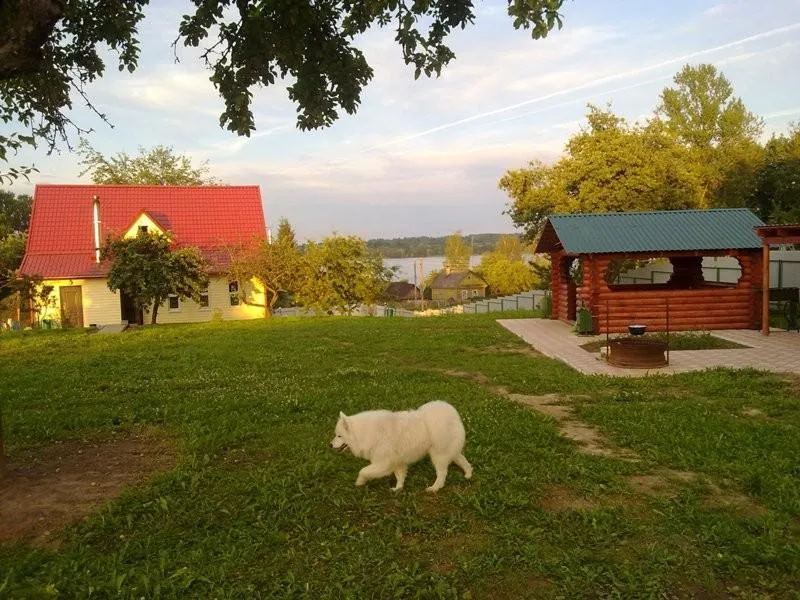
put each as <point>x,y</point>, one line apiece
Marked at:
<point>779,351</point>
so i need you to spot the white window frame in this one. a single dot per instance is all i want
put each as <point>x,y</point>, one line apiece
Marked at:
<point>169,303</point>
<point>208,300</point>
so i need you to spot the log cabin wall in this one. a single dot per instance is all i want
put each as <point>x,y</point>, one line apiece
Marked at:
<point>705,306</point>
<point>559,286</point>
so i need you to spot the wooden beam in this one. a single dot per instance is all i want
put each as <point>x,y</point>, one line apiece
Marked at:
<point>783,239</point>
<point>765,289</point>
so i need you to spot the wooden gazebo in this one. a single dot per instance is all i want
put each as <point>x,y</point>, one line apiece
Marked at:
<point>603,242</point>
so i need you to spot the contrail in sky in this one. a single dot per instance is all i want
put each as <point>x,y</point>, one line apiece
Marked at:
<point>588,84</point>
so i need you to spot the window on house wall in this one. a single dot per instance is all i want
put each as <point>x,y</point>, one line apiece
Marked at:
<point>233,292</point>
<point>174,302</point>
<point>204,298</point>
<point>143,228</point>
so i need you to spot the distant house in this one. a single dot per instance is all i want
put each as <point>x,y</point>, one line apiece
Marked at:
<point>401,291</point>
<point>69,224</point>
<point>457,286</point>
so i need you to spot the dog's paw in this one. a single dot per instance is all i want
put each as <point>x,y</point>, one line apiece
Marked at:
<point>360,482</point>
<point>397,488</point>
<point>468,475</point>
<point>432,489</point>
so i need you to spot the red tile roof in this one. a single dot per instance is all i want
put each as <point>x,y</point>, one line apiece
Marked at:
<point>61,234</point>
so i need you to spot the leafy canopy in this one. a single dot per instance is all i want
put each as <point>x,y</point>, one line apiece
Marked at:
<point>149,268</point>
<point>505,269</point>
<point>157,166</point>
<point>15,215</point>
<point>15,212</point>
<point>59,47</point>
<point>700,150</point>
<point>610,166</point>
<point>276,266</point>
<point>340,273</point>
<point>702,111</point>
<point>776,197</point>
<point>456,252</point>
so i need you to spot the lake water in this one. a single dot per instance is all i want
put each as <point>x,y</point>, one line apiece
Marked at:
<point>424,265</point>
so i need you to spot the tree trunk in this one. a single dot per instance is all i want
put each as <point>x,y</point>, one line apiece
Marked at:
<point>25,27</point>
<point>156,304</point>
<point>270,298</point>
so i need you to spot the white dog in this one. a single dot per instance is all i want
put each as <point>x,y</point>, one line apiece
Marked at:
<point>393,440</point>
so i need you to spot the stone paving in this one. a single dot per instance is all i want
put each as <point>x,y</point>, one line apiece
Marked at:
<point>778,352</point>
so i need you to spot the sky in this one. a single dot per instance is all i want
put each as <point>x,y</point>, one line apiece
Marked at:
<point>424,157</point>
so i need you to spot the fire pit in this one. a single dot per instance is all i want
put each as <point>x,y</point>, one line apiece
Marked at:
<point>637,353</point>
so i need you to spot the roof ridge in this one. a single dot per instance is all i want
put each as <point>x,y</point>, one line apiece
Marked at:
<point>650,212</point>
<point>144,185</point>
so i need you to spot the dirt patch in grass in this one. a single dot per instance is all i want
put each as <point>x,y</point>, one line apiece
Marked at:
<point>559,498</point>
<point>479,378</point>
<point>46,489</point>
<point>755,413</point>
<point>588,439</point>
<point>514,584</point>
<point>668,483</point>
<point>524,350</point>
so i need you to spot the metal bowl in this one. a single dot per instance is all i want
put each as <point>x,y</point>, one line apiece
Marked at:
<point>637,329</point>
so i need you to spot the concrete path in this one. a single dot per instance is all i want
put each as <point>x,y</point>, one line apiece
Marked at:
<point>779,351</point>
<point>113,328</point>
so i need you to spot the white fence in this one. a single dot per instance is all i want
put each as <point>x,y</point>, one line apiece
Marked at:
<point>524,301</point>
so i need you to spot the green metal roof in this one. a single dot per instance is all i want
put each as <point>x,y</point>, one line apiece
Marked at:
<point>657,231</point>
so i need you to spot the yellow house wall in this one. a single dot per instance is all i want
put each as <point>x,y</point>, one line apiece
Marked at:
<point>142,219</point>
<point>100,305</point>
<point>218,302</point>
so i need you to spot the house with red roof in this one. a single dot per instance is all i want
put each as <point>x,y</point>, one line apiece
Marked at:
<point>70,223</point>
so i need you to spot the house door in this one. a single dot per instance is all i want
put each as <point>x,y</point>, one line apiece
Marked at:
<point>71,305</point>
<point>128,310</point>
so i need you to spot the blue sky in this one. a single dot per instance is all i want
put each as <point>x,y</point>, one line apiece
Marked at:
<point>424,157</point>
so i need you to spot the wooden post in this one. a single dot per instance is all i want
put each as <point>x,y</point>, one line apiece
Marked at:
<point>765,288</point>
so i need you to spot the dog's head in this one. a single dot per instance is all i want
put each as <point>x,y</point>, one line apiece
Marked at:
<point>341,442</point>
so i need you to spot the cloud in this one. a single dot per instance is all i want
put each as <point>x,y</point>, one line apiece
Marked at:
<point>619,75</point>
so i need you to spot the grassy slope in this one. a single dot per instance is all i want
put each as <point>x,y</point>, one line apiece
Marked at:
<point>259,507</point>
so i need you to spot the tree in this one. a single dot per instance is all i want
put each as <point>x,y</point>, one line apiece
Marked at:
<point>275,265</point>
<point>610,166</point>
<point>721,133</point>
<point>12,250</point>
<point>59,45</point>
<point>15,212</point>
<point>776,197</point>
<point>456,252</point>
<point>157,166</point>
<point>341,273</point>
<point>286,234</point>
<point>504,269</point>
<point>149,268</point>
<point>703,112</point>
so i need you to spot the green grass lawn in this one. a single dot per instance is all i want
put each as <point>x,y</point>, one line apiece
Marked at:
<point>286,521</point>
<point>677,341</point>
